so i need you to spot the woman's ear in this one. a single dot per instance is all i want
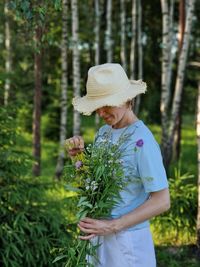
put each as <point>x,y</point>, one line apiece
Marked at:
<point>129,104</point>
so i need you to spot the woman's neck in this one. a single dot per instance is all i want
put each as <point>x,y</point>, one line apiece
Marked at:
<point>128,118</point>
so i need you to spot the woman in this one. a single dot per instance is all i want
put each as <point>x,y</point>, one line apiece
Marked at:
<point>125,239</point>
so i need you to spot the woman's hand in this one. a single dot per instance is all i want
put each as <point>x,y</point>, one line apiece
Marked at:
<point>93,227</point>
<point>74,145</point>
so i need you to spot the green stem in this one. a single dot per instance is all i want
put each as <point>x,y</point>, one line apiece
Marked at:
<point>81,252</point>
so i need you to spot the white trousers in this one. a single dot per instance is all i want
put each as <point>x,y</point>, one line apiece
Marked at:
<point>125,249</point>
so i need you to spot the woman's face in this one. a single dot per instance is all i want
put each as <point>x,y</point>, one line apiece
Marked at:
<point>113,116</point>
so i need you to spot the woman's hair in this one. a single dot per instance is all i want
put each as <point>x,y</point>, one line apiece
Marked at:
<point>130,103</point>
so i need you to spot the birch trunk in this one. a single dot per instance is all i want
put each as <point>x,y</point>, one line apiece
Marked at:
<point>37,103</point>
<point>164,79</point>
<point>97,44</point>
<point>97,32</point>
<point>177,135</point>
<point>179,81</point>
<point>123,35</point>
<point>133,41</point>
<point>76,64</point>
<point>198,157</point>
<point>181,25</point>
<point>109,31</point>
<point>171,37</point>
<point>64,84</point>
<point>8,62</point>
<point>140,55</point>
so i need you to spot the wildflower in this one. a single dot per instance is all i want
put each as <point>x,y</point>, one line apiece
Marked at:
<point>140,143</point>
<point>88,180</point>
<point>78,164</point>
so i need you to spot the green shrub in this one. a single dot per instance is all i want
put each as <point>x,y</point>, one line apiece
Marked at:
<point>180,220</point>
<point>31,224</point>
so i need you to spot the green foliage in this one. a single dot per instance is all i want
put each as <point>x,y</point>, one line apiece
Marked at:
<point>181,218</point>
<point>31,224</point>
<point>96,176</point>
<point>177,256</point>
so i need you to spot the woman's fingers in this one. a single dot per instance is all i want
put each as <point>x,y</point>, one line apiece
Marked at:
<point>87,230</point>
<point>74,145</point>
<point>87,237</point>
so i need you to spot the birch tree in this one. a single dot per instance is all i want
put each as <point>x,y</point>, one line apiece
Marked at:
<point>140,54</point>
<point>37,101</point>
<point>97,32</point>
<point>108,37</point>
<point>64,84</point>
<point>76,63</point>
<point>97,44</point>
<point>171,43</point>
<point>133,41</point>
<point>181,28</point>
<point>179,82</point>
<point>123,34</point>
<point>8,61</point>
<point>198,158</point>
<point>165,92</point>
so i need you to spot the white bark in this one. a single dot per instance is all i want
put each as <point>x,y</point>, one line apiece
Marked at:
<point>180,76</point>
<point>108,36</point>
<point>76,63</point>
<point>133,41</point>
<point>167,37</point>
<point>165,63</point>
<point>64,84</point>
<point>171,38</point>
<point>8,63</point>
<point>140,54</point>
<point>97,32</point>
<point>198,157</point>
<point>97,44</point>
<point>123,34</point>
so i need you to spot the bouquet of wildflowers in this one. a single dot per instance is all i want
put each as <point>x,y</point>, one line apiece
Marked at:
<point>96,175</point>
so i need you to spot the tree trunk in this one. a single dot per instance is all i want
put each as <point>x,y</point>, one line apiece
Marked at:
<point>123,34</point>
<point>64,84</point>
<point>177,135</point>
<point>198,157</point>
<point>171,37</point>
<point>133,41</point>
<point>181,25</point>
<point>109,31</point>
<point>76,64</point>
<point>179,82</point>
<point>164,79</point>
<point>97,45</point>
<point>37,102</point>
<point>8,62</point>
<point>140,55</point>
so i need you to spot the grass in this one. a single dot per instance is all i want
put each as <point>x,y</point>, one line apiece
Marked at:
<point>169,253</point>
<point>181,256</point>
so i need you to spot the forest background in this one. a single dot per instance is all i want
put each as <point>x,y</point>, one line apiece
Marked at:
<point>46,49</point>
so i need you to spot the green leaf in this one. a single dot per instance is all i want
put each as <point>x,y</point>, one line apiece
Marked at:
<point>59,258</point>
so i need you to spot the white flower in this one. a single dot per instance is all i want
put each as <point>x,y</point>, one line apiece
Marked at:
<point>88,180</point>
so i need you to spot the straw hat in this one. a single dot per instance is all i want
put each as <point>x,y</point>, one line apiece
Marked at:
<point>107,85</point>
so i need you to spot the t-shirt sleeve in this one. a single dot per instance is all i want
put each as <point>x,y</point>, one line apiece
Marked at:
<point>150,166</point>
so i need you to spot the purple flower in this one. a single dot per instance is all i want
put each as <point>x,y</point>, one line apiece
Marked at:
<point>139,143</point>
<point>78,164</point>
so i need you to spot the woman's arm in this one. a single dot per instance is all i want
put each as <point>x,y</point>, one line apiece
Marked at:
<point>157,203</point>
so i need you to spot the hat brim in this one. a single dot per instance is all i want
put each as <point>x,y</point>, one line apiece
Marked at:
<point>87,105</point>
